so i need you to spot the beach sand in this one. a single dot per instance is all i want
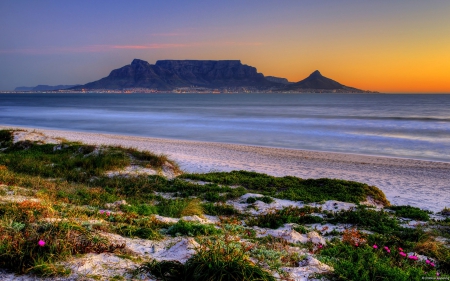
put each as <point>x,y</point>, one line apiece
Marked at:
<point>424,184</point>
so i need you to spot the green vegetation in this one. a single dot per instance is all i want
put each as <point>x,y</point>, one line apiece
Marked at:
<point>362,217</point>
<point>216,260</point>
<point>411,212</point>
<point>292,188</point>
<point>219,209</point>
<point>66,202</point>
<point>277,218</point>
<point>366,263</point>
<point>31,242</point>
<point>192,229</point>
<point>265,199</point>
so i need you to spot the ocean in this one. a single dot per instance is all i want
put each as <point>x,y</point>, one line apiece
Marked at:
<point>402,125</point>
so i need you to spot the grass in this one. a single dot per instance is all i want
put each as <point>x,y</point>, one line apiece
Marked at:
<point>216,260</point>
<point>192,229</point>
<point>411,212</point>
<point>32,243</point>
<point>378,221</point>
<point>293,188</point>
<point>366,264</point>
<point>277,218</point>
<point>219,209</point>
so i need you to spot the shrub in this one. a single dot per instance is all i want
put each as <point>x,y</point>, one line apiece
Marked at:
<point>277,218</point>
<point>192,229</point>
<point>293,188</point>
<point>219,209</point>
<point>192,208</point>
<point>366,263</point>
<point>379,221</point>
<point>411,212</point>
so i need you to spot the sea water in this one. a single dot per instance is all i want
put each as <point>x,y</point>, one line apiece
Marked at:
<point>402,125</point>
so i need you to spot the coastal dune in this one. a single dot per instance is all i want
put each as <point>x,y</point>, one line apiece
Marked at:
<point>424,184</point>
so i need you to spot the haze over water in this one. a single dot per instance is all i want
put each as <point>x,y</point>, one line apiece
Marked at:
<point>407,126</point>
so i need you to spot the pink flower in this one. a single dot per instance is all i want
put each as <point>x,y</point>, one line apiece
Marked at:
<point>375,246</point>
<point>438,274</point>
<point>402,254</point>
<point>427,261</point>
<point>41,243</point>
<point>388,250</point>
<point>400,249</point>
<point>356,244</point>
<point>413,258</point>
<point>101,212</point>
<point>432,264</point>
<point>108,213</point>
<point>320,246</point>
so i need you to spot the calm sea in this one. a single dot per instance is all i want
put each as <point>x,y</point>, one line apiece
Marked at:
<point>410,126</point>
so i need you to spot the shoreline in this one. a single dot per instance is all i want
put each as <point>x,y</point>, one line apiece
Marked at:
<point>420,183</point>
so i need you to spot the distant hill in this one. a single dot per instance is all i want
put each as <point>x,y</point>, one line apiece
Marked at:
<point>168,74</point>
<point>316,82</point>
<point>44,88</point>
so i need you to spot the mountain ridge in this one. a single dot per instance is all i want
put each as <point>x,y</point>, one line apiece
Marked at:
<point>208,75</point>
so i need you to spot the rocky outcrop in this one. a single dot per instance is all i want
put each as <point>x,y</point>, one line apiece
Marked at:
<point>279,80</point>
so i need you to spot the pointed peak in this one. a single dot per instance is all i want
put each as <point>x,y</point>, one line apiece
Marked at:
<point>137,62</point>
<point>315,74</point>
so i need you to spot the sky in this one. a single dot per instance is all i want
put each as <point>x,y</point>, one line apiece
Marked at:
<point>387,46</point>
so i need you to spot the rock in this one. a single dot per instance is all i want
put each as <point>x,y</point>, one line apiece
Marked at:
<point>116,204</point>
<point>181,251</point>
<point>315,238</point>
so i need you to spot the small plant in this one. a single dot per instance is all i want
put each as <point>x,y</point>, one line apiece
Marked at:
<point>192,208</point>
<point>353,237</point>
<point>277,218</point>
<point>192,229</point>
<point>411,212</point>
<point>219,209</point>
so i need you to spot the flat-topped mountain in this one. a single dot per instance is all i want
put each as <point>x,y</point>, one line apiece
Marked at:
<point>168,75</point>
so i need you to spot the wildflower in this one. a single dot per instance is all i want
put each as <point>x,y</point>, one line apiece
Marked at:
<point>400,249</point>
<point>375,246</point>
<point>413,258</point>
<point>320,246</point>
<point>427,261</point>
<point>356,244</point>
<point>41,243</point>
<point>108,213</point>
<point>388,250</point>
<point>402,254</point>
<point>432,264</point>
<point>101,212</point>
<point>438,274</point>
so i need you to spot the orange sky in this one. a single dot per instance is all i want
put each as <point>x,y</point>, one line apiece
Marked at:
<point>385,46</point>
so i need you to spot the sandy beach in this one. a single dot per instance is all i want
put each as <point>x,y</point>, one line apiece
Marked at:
<point>424,184</point>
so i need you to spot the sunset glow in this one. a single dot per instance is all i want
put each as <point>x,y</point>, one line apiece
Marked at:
<point>378,46</point>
